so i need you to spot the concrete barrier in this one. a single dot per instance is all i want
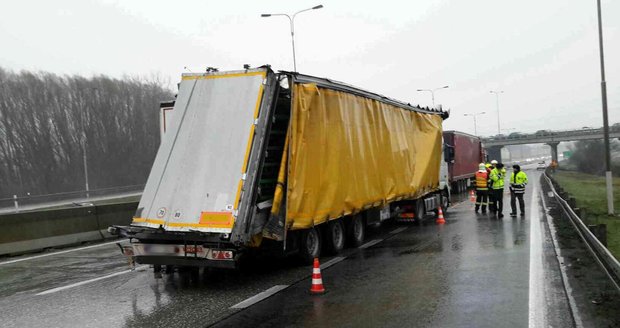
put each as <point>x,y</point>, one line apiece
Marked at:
<point>37,230</point>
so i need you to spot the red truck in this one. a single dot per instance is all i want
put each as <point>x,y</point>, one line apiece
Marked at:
<point>463,152</point>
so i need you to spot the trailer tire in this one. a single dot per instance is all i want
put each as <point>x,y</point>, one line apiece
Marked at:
<point>335,237</point>
<point>356,231</point>
<point>310,245</point>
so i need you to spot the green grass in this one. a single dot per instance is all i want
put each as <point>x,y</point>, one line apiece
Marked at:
<point>590,193</point>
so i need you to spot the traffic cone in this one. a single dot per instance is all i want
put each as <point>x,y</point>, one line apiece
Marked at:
<point>472,196</point>
<point>317,281</point>
<point>440,219</point>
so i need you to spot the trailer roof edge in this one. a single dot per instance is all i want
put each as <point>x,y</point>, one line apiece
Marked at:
<point>341,86</point>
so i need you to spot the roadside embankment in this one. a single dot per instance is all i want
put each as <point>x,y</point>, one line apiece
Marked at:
<point>594,297</point>
<point>37,230</point>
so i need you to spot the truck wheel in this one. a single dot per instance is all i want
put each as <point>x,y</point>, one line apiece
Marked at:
<point>356,231</point>
<point>335,236</point>
<point>310,247</point>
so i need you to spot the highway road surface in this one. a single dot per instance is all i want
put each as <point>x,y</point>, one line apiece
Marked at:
<point>474,271</point>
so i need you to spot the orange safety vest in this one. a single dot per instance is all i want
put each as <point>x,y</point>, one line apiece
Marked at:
<point>482,180</point>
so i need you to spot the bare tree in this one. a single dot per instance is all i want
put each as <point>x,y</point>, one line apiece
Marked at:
<point>47,121</point>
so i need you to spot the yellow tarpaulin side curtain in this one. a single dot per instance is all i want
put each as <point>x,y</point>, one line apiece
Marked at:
<point>349,153</point>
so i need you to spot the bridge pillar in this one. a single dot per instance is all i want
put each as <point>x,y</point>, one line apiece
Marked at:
<point>554,150</point>
<point>495,153</point>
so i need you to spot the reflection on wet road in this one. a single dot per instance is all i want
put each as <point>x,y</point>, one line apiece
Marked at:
<point>472,272</point>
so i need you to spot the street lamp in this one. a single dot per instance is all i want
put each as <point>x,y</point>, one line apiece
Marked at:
<point>474,116</point>
<point>608,179</point>
<point>497,103</point>
<point>292,22</point>
<point>432,91</point>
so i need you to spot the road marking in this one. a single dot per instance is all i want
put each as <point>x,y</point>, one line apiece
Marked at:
<point>54,290</point>
<point>399,230</point>
<point>332,262</point>
<point>259,297</point>
<point>371,243</point>
<point>459,204</point>
<point>567,288</point>
<point>60,252</point>
<point>536,304</point>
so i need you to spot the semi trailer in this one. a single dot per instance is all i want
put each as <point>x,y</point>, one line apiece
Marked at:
<point>282,161</point>
<point>463,153</point>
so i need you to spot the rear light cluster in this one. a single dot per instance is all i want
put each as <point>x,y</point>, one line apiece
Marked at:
<point>220,255</point>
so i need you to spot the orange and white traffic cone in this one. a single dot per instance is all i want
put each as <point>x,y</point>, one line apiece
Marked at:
<point>317,281</point>
<point>440,218</point>
<point>472,196</point>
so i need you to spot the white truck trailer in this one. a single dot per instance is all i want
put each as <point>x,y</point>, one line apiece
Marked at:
<point>255,159</point>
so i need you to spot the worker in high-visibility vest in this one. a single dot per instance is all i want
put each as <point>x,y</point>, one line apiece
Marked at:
<point>518,180</point>
<point>497,188</point>
<point>490,168</point>
<point>482,188</point>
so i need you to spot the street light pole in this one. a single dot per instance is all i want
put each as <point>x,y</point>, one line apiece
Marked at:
<point>474,116</point>
<point>497,104</point>
<point>432,91</point>
<point>608,177</point>
<point>291,20</point>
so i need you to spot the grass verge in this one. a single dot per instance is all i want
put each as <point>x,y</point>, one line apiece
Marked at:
<point>590,193</point>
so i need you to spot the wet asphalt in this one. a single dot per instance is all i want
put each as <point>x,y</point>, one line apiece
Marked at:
<point>474,271</point>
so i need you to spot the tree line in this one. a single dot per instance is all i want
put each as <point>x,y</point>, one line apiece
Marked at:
<point>50,123</point>
<point>589,157</point>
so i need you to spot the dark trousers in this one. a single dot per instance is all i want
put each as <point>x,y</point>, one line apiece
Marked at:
<point>498,200</point>
<point>482,198</point>
<point>513,202</point>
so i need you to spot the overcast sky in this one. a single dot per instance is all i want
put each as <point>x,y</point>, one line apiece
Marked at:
<point>542,54</point>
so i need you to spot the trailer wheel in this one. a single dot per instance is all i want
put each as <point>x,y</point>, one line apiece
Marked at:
<point>310,247</point>
<point>356,231</point>
<point>335,236</point>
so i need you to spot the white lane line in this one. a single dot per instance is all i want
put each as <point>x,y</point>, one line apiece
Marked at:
<point>332,262</point>
<point>399,230</point>
<point>258,297</point>
<point>371,243</point>
<point>54,290</point>
<point>567,288</point>
<point>536,302</point>
<point>61,252</point>
<point>461,203</point>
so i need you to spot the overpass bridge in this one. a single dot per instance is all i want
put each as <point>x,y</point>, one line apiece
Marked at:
<point>495,144</point>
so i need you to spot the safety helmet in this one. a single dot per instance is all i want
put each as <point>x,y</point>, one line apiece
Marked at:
<point>481,166</point>
<point>493,162</point>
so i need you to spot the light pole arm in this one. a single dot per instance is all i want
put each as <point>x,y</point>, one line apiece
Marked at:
<point>291,20</point>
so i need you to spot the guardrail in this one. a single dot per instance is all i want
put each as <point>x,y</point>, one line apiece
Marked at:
<point>601,254</point>
<point>16,202</point>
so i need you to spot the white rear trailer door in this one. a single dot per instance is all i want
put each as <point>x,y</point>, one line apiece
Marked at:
<point>197,176</point>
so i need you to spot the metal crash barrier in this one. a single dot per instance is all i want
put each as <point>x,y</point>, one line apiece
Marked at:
<point>601,254</point>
